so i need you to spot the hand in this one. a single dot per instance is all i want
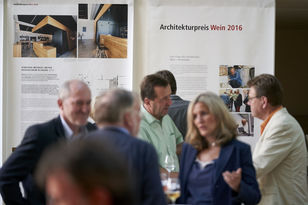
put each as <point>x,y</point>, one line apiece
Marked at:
<point>233,179</point>
<point>172,174</point>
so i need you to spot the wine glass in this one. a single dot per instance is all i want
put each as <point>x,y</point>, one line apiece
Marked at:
<point>169,164</point>
<point>173,189</point>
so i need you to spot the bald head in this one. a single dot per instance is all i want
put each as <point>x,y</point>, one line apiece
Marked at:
<point>111,105</point>
<point>70,86</point>
<point>74,103</point>
<point>118,107</point>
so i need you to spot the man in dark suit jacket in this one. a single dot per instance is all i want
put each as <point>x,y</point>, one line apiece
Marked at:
<point>178,109</point>
<point>117,114</point>
<point>74,103</point>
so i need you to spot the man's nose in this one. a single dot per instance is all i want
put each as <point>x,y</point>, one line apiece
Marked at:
<point>86,108</point>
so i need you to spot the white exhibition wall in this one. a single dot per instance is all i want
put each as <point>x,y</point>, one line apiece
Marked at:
<point>195,55</point>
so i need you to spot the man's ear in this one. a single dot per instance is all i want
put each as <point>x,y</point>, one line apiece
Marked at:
<point>127,120</point>
<point>264,102</point>
<point>146,101</point>
<point>60,103</point>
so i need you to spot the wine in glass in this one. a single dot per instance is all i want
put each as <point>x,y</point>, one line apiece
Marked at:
<point>173,189</point>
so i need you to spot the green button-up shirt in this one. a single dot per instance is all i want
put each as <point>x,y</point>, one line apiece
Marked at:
<point>162,134</point>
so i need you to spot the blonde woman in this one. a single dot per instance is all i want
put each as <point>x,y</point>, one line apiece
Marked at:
<point>215,167</point>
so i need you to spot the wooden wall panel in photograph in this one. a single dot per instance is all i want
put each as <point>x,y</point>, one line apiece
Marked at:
<point>117,47</point>
<point>17,50</point>
<point>44,51</point>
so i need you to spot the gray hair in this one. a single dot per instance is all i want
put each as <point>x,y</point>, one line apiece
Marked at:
<point>65,89</point>
<point>111,105</point>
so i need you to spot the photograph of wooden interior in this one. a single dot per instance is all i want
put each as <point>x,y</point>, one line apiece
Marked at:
<point>47,36</point>
<point>50,25</point>
<point>102,30</point>
<point>116,47</point>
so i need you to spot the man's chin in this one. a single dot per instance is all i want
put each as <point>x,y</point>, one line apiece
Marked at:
<point>81,122</point>
<point>165,112</point>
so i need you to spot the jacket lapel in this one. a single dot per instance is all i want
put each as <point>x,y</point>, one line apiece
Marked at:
<point>59,127</point>
<point>267,129</point>
<point>223,159</point>
<point>189,160</point>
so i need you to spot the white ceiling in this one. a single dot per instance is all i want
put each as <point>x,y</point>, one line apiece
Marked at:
<point>292,14</point>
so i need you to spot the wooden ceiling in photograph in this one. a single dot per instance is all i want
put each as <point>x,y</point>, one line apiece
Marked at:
<point>102,11</point>
<point>49,26</point>
<point>25,22</point>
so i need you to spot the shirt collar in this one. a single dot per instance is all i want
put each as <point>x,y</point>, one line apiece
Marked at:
<point>68,132</point>
<point>263,125</point>
<point>148,117</point>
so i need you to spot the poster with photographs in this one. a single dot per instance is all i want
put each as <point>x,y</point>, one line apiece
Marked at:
<point>50,42</point>
<point>234,92</point>
<point>218,47</point>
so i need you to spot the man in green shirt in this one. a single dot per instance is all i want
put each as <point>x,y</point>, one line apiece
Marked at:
<point>156,126</point>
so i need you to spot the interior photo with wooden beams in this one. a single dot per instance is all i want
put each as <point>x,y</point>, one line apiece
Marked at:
<point>109,31</point>
<point>45,36</point>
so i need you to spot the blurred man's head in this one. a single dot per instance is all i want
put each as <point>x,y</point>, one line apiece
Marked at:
<point>168,76</point>
<point>265,94</point>
<point>84,173</point>
<point>155,94</point>
<point>118,107</point>
<point>75,103</point>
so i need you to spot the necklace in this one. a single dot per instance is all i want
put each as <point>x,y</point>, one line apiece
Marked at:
<point>213,144</point>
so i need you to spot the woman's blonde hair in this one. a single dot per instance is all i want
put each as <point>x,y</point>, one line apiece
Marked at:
<point>226,129</point>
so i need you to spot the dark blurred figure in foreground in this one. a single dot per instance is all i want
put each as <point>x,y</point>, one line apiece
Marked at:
<point>85,172</point>
<point>117,114</point>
